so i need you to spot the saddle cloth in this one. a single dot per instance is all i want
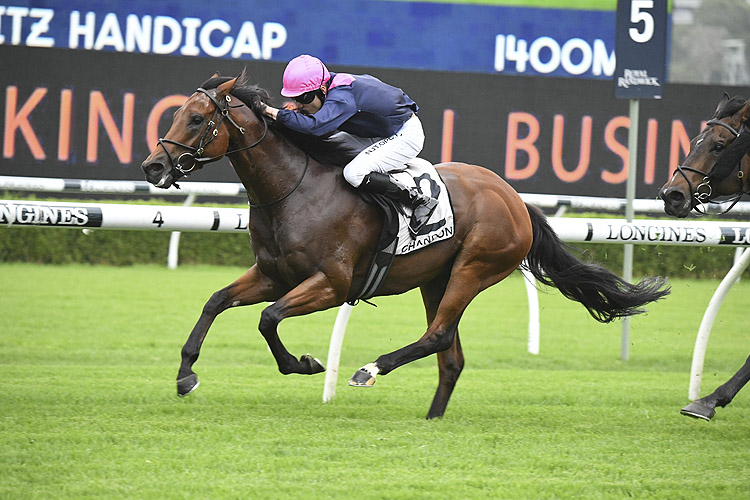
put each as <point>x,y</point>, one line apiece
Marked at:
<point>396,239</point>
<point>422,174</point>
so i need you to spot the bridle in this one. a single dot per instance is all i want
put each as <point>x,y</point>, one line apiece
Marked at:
<point>702,194</point>
<point>191,159</point>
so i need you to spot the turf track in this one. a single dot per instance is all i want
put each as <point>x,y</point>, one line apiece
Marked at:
<point>88,405</point>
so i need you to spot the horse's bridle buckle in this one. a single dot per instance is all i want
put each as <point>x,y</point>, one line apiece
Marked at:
<point>704,196</point>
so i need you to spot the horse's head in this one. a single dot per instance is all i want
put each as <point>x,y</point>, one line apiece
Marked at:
<point>714,166</point>
<point>200,133</point>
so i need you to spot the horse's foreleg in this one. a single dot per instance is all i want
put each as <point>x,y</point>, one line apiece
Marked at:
<point>316,293</point>
<point>723,395</point>
<point>251,288</point>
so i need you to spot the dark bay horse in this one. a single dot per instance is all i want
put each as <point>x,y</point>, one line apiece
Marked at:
<point>314,237</point>
<point>717,165</point>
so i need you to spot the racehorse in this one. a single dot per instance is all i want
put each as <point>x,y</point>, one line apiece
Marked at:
<point>313,237</point>
<point>718,164</point>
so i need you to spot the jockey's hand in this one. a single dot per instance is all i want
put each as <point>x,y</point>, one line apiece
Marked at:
<point>269,111</point>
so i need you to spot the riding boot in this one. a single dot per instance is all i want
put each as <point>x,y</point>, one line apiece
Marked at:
<point>422,205</point>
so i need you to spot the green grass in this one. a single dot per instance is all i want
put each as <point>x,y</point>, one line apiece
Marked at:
<point>88,405</point>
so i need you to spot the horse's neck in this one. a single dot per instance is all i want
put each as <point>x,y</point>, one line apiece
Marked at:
<point>273,170</point>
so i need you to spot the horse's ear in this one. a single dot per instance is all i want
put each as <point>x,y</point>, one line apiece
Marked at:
<point>215,75</point>
<point>723,101</point>
<point>225,87</point>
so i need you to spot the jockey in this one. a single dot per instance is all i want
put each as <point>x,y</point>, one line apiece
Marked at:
<point>363,106</point>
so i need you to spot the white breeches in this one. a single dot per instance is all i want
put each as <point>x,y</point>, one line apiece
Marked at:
<point>387,154</point>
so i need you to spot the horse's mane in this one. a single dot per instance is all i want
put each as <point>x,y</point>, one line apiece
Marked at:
<point>324,150</point>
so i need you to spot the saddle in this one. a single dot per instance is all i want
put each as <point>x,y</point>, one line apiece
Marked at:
<point>395,237</point>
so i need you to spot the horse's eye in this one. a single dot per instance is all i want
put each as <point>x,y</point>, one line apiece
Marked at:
<point>718,147</point>
<point>196,120</point>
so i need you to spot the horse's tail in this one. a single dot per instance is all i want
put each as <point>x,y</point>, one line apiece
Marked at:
<point>605,295</point>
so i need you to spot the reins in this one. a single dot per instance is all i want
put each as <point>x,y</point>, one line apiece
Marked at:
<point>299,181</point>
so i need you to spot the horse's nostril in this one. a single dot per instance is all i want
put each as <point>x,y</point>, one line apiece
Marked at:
<point>153,168</point>
<point>671,195</point>
<point>675,196</point>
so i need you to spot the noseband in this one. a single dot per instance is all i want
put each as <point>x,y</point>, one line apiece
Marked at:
<point>189,160</point>
<point>702,194</point>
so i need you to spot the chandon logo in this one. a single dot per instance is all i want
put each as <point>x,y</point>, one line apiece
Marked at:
<point>423,241</point>
<point>49,215</point>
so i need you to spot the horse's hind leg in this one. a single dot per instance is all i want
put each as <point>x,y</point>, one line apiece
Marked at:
<point>450,365</point>
<point>450,361</point>
<point>465,283</point>
<point>722,396</point>
<point>251,288</point>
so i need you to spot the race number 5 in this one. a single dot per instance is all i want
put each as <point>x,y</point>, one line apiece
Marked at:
<point>639,14</point>
<point>641,48</point>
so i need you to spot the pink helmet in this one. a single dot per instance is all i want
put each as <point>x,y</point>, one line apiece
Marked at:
<point>303,74</point>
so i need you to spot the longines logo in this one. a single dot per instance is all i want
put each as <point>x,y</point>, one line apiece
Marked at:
<point>49,215</point>
<point>646,232</point>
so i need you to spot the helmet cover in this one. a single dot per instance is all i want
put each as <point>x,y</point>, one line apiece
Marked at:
<point>303,74</point>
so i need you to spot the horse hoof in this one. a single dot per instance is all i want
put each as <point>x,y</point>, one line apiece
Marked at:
<point>186,385</point>
<point>362,378</point>
<point>312,365</point>
<point>697,409</point>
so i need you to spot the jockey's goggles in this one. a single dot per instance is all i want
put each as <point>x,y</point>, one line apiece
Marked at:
<point>306,98</point>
